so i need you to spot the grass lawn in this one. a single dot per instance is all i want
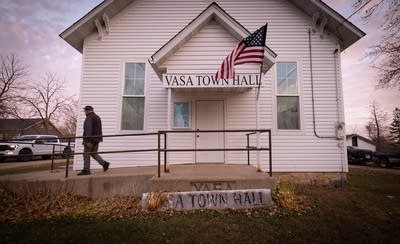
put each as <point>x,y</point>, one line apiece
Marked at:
<point>366,210</point>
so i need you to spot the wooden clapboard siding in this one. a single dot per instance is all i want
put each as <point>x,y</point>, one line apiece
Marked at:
<point>143,27</point>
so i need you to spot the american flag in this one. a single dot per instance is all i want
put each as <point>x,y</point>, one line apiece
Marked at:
<point>248,50</point>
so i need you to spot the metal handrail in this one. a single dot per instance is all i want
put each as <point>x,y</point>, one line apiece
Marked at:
<point>70,139</point>
<point>270,149</point>
<point>248,149</point>
<point>165,149</point>
<point>105,152</point>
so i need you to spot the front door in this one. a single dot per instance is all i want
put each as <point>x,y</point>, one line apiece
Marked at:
<point>210,116</point>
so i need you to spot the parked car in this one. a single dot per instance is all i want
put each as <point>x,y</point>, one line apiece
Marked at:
<point>25,147</point>
<point>387,159</point>
<point>357,155</point>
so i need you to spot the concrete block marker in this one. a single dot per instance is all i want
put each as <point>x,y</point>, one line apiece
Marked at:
<point>191,200</point>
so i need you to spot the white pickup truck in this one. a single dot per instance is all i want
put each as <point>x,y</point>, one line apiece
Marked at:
<point>25,147</point>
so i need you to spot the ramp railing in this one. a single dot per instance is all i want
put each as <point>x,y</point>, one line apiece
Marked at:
<point>68,152</point>
<point>248,148</point>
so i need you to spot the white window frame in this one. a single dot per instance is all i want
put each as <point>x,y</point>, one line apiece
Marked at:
<point>122,95</point>
<point>299,95</point>
<point>173,115</point>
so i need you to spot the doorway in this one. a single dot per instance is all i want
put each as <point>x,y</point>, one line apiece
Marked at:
<point>210,116</point>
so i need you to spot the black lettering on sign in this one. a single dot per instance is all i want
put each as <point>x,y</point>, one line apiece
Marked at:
<point>237,198</point>
<point>179,201</point>
<point>253,194</point>
<point>214,81</point>
<point>198,80</point>
<point>197,186</point>
<point>201,200</point>
<point>223,197</point>
<point>247,198</point>
<point>213,199</point>
<point>192,197</point>
<point>261,198</point>
<point>213,185</point>
<point>217,186</point>
<point>189,81</point>
<point>235,82</point>
<point>244,81</point>
<point>254,80</point>
<point>182,79</point>
<point>206,80</point>
<point>175,81</point>
<point>167,78</point>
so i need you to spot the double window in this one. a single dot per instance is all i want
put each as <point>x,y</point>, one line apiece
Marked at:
<point>288,108</point>
<point>133,97</point>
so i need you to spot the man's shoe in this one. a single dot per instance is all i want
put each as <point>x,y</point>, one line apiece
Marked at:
<point>84,172</point>
<point>105,166</point>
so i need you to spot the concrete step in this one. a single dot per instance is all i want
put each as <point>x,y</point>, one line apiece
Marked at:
<point>177,185</point>
<point>137,180</point>
<point>211,177</point>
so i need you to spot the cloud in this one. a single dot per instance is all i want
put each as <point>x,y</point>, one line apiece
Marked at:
<point>358,75</point>
<point>30,29</point>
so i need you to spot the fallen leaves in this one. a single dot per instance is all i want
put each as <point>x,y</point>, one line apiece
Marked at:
<point>42,205</point>
<point>285,197</point>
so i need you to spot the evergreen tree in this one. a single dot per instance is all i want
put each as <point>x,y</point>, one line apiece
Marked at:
<point>394,128</point>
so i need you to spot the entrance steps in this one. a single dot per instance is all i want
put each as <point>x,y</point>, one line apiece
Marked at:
<point>137,180</point>
<point>211,177</point>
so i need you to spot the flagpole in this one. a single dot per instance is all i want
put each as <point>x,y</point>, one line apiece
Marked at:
<point>257,110</point>
<point>258,120</point>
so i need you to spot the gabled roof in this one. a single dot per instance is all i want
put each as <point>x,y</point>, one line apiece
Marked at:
<point>78,31</point>
<point>21,125</point>
<point>212,12</point>
<point>360,137</point>
<point>346,32</point>
<point>336,24</point>
<point>17,124</point>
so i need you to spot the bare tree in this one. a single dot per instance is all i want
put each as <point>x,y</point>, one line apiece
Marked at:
<point>352,129</point>
<point>45,99</point>
<point>70,115</point>
<point>12,74</point>
<point>376,125</point>
<point>386,53</point>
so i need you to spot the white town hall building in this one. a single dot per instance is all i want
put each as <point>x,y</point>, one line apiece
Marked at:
<point>149,65</point>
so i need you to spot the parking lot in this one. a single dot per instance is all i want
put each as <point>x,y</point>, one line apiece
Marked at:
<point>15,167</point>
<point>373,167</point>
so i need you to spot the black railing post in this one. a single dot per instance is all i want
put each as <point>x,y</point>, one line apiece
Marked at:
<point>165,152</point>
<point>248,149</point>
<point>67,164</point>
<point>159,154</point>
<point>270,153</point>
<point>52,158</point>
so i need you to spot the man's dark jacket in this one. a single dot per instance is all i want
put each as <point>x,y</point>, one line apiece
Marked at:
<point>92,127</point>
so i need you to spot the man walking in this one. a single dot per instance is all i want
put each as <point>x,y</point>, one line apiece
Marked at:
<point>92,136</point>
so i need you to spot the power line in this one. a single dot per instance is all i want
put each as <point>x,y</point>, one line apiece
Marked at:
<point>351,15</point>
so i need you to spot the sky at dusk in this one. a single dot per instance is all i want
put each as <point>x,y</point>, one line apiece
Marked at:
<point>30,29</point>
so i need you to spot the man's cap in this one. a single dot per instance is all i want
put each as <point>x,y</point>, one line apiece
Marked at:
<point>88,108</point>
